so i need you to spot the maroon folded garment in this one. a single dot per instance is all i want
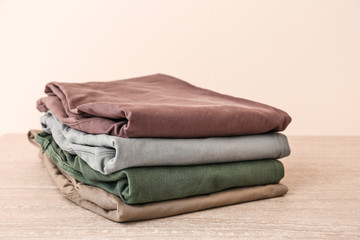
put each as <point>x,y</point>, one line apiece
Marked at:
<point>157,106</point>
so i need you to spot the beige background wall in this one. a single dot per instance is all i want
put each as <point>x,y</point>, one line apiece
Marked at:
<point>300,56</point>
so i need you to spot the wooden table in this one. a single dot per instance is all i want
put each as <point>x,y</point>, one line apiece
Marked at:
<point>322,173</point>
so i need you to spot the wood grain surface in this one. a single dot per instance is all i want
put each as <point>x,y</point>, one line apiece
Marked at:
<point>323,202</point>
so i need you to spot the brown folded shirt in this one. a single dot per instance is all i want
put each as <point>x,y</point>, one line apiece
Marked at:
<point>112,207</point>
<point>157,106</point>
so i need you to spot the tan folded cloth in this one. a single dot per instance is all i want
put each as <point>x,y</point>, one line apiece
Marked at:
<point>113,208</point>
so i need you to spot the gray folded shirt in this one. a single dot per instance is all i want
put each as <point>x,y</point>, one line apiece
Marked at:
<point>108,154</point>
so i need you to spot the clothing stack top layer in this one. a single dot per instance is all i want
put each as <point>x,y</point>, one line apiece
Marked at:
<point>157,106</point>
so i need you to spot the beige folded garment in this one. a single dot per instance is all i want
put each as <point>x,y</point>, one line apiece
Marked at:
<point>113,208</point>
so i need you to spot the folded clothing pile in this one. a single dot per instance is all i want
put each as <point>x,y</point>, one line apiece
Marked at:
<point>156,146</point>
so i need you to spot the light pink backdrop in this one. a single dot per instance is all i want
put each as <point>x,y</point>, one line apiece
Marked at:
<point>300,56</point>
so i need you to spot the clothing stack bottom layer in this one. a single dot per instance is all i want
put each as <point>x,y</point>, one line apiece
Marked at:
<point>157,146</point>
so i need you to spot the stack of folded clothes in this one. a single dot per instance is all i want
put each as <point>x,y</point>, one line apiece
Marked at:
<point>157,146</point>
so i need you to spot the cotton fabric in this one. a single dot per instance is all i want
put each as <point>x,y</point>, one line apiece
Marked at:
<point>157,106</point>
<point>112,207</point>
<point>108,154</point>
<point>151,184</point>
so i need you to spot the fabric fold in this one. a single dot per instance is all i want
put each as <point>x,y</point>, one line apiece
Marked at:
<point>151,184</point>
<point>157,106</point>
<point>112,207</point>
<point>107,154</point>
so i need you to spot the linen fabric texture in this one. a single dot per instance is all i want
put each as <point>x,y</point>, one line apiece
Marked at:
<point>112,207</point>
<point>108,154</point>
<point>151,184</point>
<point>157,106</point>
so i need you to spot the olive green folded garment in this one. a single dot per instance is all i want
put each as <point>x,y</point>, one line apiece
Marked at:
<point>151,184</point>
